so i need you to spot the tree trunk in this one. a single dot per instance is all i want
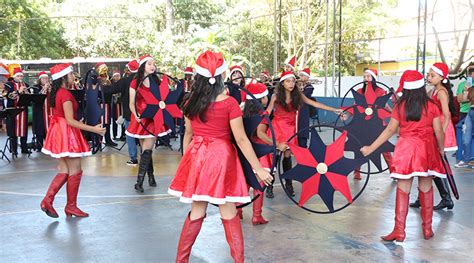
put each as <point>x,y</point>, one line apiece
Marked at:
<point>169,16</point>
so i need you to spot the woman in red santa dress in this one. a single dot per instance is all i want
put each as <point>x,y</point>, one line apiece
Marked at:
<point>144,129</point>
<point>65,142</point>
<point>417,152</point>
<point>210,171</point>
<point>443,96</point>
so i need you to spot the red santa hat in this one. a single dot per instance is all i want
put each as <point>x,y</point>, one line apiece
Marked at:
<point>60,70</point>
<point>410,80</point>
<point>372,72</point>
<point>189,70</point>
<point>266,73</point>
<point>286,74</point>
<point>133,66</point>
<point>306,72</point>
<point>42,74</point>
<point>210,65</point>
<point>236,68</point>
<point>144,59</point>
<point>116,72</point>
<point>442,70</point>
<point>17,71</point>
<point>291,61</point>
<point>258,90</point>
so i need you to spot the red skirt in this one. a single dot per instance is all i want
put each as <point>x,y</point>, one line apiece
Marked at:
<point>210,171</point>
<point>284,129</point>
<point>136,130</point>
<point>62,140</point>
<point>416,157</point>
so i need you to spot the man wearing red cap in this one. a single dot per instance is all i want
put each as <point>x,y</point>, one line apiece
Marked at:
<point>304,113</point>
<point>17,126</point>
<point>41,112</point>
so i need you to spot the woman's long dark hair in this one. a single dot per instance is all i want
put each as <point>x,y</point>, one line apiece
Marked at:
<point>452,107</point>
<point>374,86</point>
<point>57,84</point>
<point>415,102</point>
<point>252,107</point>
<point>296,99</point>
<point>201,96</point>
<point>141,75</point>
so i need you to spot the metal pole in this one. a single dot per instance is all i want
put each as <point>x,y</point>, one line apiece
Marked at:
<point>334,46</point>
<point>380,45</point>
<point>339,51</point>
<point>251,61</point>
<point>424,38</point>
<point>326,51</point>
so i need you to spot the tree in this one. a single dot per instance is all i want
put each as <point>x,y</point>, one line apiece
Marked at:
<point>27,33</point>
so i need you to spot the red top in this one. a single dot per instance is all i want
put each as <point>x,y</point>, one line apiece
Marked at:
<point>378,91</point>
<point>63,95</point>
<point>421,128</point>
<point>144,91</point>
<point>218,117</point>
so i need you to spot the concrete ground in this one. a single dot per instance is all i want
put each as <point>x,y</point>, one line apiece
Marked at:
<point>125,226</point>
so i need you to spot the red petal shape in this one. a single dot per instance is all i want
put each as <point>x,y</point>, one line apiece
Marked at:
<point>335,150</point>
<point>158,121</point>
<point>348,109</point>
<point>339,182</point>
<point>174,110</point>
<point>309,188</point>
<point>303,156</point>
<point>370,96</point>
<point>149,97</point>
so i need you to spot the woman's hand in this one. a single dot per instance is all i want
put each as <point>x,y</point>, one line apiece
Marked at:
<point>282,146</point>
<point>366,150</point>
<point>137,118</point>
<point>99,129</point>
<point>264,176</point>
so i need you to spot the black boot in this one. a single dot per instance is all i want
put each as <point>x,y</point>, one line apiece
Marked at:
<point>151,176</point>
<point>288,183</point>
<point>269,192</point>
<point>443,188</point>
<point>142,169</point>
<point>108,140</point>
<point>416,204</point>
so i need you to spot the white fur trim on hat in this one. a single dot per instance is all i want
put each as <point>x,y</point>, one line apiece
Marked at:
<point>144,60</point>
<point>438,71</point>
<point>61,73</point>
<point>18,73</point>
<point>371,73</point>
<point>206,73</point>
<point>414,84</point>
<point>257,96</point>
<point>287,76</point>
<point>43,75</point>
<point>304,73</point>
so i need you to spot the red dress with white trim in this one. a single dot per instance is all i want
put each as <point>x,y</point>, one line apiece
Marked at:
<point>136,129</point>
<point>266,160</point>
<point>210,169</point>
<point>416,152</point>
<point>449,135</point>
<point>63,140</point>
<point>284,123</point>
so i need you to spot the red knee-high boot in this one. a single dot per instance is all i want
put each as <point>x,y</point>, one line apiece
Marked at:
<point>189,233</point>
<point>426,211</point>
<point>235,239</point>
<point>401,211</point>
<point>47,204</point>
<point>257,218</point>
<point>388,159</point>
<point>73,183</point>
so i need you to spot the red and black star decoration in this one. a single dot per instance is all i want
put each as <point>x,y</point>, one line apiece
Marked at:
<point>250,124</point>
<point>367,123</point>
<point>322,169</point>
<point>161,105</point>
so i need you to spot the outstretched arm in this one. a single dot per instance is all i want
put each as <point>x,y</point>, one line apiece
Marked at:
<point>383,137</point>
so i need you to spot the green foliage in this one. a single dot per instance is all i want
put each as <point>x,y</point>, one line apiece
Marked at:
<point>38,38</point>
